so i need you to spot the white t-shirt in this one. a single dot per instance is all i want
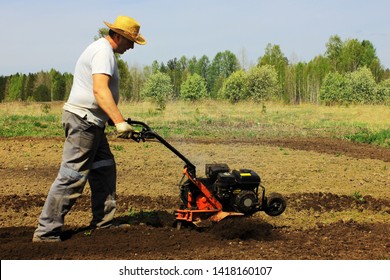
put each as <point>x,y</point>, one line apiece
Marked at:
<point>98,58</point>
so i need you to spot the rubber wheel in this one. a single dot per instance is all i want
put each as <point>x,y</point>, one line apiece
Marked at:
<point>276,204</point>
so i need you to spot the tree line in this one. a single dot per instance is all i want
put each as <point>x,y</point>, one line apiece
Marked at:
<point>348,72</point>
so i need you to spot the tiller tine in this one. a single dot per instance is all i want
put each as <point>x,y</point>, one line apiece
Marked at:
<point>222,215</point>
<point>203,218</point>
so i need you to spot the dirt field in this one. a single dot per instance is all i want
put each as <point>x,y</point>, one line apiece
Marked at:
<point>337,192</point>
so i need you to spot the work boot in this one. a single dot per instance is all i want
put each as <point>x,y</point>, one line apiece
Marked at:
<point>37,238</point>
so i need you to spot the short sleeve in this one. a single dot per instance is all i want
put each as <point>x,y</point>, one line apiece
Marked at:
<point>103,62</point>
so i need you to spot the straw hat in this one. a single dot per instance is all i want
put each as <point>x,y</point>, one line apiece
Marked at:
<point>128,28</point>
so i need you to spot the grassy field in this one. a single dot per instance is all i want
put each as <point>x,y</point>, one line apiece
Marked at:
<point>369,124</point>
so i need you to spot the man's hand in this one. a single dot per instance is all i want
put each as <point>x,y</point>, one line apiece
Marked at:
<point>124,130</point>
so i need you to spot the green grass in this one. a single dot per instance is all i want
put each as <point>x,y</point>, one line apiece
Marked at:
<point>22,125</point>
<point>219,119</point>
<point>381,137</point>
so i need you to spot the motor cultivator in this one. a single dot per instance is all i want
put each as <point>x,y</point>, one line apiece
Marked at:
<point>222,193</point>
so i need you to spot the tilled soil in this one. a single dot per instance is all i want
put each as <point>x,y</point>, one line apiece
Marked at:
<point>337,194</point>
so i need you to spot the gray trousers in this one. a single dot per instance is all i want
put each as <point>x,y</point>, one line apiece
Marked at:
<point>86,156</point>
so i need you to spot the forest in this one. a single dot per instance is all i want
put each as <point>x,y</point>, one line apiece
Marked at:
<point>349,72</point>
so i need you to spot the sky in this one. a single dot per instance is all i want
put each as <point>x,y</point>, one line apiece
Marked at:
<point>44,34</point>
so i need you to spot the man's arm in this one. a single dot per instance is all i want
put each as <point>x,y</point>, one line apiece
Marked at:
<point>104,97</point>
<point>105,101</point>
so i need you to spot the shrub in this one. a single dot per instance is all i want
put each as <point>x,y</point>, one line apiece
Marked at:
<point>362,86</point>
<point>382,92</point>
<point>235,87</point>
<point>334,89</point>
<point>193,88</point>
<point>262,83</point>
<point>158,88</point>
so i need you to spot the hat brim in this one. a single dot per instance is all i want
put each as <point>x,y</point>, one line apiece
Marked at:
<point>139,39</point>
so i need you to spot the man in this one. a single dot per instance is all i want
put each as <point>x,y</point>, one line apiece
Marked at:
<point>86,156</point>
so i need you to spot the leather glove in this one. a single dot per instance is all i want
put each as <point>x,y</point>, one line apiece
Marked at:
<point>124,130</point>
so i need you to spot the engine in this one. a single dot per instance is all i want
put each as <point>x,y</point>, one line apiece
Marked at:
<point>237,190</point>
